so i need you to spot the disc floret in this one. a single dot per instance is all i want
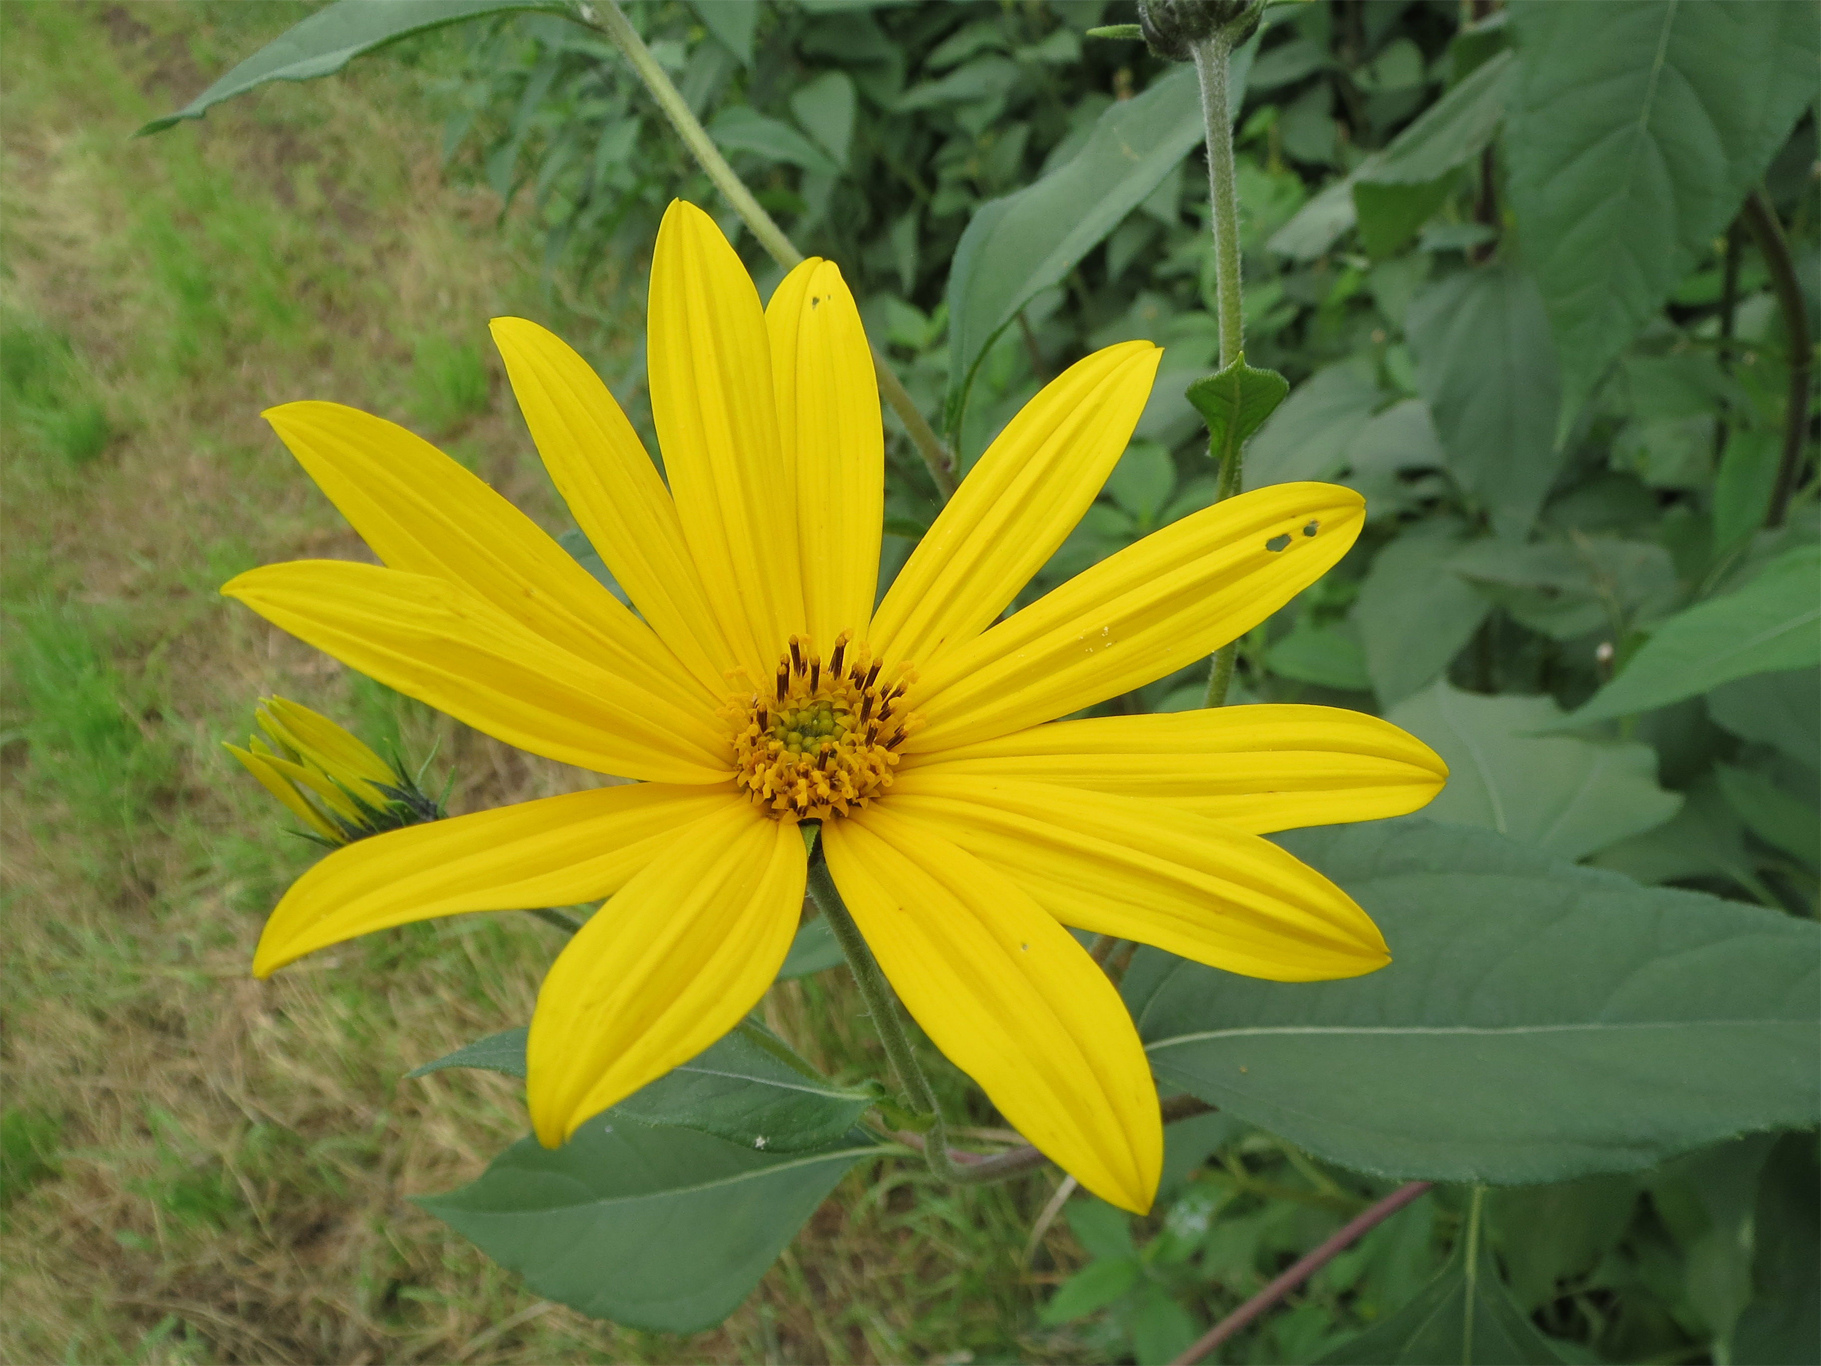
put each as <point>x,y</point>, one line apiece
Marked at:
<point>822,740</point>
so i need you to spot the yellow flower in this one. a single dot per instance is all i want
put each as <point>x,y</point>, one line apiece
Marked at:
<point>758,686</point>
<point>327,778</point>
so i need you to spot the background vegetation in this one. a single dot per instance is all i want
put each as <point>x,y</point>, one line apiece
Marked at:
<point>200,1169</point>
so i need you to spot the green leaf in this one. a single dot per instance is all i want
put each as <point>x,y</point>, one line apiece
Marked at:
<point>1636,127</point>
<point>658,1228</point>
<point>1742,489</point>
<point>1413,615</point>
<point>825,107</point>
<point>748,1088</point>
<point>1463,1315</point>
<point>1092,1288</point>
<point>1774,622</point>
<point>734,26</point>
<point>333,36</point>
<point>1782,710</point>
<point>1307,437</point>
<point>1487,366</point>
<point>1782,821</point>
<point>1160,1328</point>
<point>1448,134</point>
<point>1783,1321</point>
<point>815,949</point>
<point>1021,244</point>
<point>582,550</point>
<point>1553,1233</point>
<point>1143,480</point>
<point>1327,656</point>
<point>1539,1021</point>
<point>1705,839</point>
<point>1389,215</point>
<point>741,128</point>
<point>1561,793</point>
<point>501,1052</point>
<point>1567,590</point>
<point>1234,401</point>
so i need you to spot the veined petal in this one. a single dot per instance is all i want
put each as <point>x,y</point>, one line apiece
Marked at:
<point>552,852</point>
<point>434,641</point>
<point>1253,768</point>
<point>1175,596</point>
<point>668,966</point>
<point>424,514</point>
<point>712,399</point>
<point>1017,504</point>
<point>1141,870</point>
<point>833,444</point>
<point>323,742</point>
<point>1009,996</point>
<point>600,467</point>
<point>273,781</point>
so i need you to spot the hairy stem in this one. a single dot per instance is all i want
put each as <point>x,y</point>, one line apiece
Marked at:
<point>1761,219</point>
<point>1304,1268</point>
<point>1213,56</point>
<point>606,16</point>
<point>883,1007</point>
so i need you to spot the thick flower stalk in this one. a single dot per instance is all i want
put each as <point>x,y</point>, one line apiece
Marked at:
<point>758,686</point>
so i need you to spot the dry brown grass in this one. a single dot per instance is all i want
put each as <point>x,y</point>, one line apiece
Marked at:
<point>232,1161</point>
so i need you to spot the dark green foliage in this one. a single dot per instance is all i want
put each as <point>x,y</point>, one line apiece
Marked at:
<point>49,396</point>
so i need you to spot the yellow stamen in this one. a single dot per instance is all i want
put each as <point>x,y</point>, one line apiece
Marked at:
<point>812,750</point>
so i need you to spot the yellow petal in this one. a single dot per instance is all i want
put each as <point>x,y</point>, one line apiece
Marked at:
<point>1141,870</point>
<point>424,514</point>
<point>259,765</point>
<point>833,444</point>
<point>552,852</point>
<point>1177,595</point>
<point>1256,768</point>
<point>1017,504</point>
<point>614,492</point>
<point>321,784</point>
<point>1009,996</point>
<point>327,745</point>
<point>668,966</point>
<point>711,397</point>
<point>433,641</point>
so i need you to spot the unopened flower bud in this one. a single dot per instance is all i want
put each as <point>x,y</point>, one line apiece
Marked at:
<point>1173,28</point>
<point>339,788</point>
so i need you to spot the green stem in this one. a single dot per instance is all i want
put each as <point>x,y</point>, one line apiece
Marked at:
<point>568,924</point>
<point>1213,56</point>
<point>608,18</point>
<point>883,1007</point>
<point>1761,219</point>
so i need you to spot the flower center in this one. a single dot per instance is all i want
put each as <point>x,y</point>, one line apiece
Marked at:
<point>823,740</point>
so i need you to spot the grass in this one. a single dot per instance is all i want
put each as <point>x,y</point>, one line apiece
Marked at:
<point>195,1167</point>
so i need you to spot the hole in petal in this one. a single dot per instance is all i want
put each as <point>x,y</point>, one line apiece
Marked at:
<point>1312,528</point>
<point>1278,542</point>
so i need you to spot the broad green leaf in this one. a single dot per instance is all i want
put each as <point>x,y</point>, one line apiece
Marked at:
<point>815,949</point>
<point>1635,129</point>
<point>1783,1321</point>
<point>1234,401</point>
<point>658,1228</point>
<point>1413,615</point>
<point>1568,589</point>
<point>1160,1328</point>
<point>501,1052</point>
<point>1464,1315</point>
<point>1327,656</point>
<point>1782,710</point>
<point>1143,480</point>
<point>1561,793</point>
<point>825,107</point>
<point>1307,437</point>
<point>733,24</point>
<point>1705,839</point>
<point>1092,1288</point>
<point>1389,215</point>
<point>1486,364</point>
<point>1742,489</point>
<point>1539,1021</point>
<point>741,128</point>
<point>1550,1233</point>
<point>748,1088</point>
<point>1772,623</point>
<point>1450,132</point>
<point>1779,819</point>
<point>1027,241</point>
<point>1393,460</point>
<point>333,36</point>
